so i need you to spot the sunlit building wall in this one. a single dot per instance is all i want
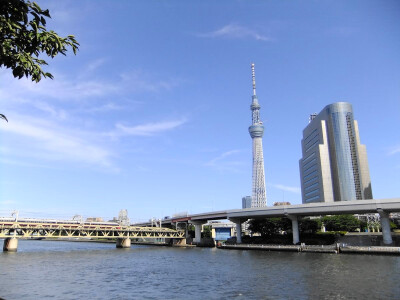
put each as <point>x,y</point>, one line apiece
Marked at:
<point>334,165</point>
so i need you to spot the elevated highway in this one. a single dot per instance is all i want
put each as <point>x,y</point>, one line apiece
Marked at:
<point>381,206</point>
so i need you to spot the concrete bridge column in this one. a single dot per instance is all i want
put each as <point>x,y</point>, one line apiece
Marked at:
<point>385,223</point>
<point>239,232</point>
<point>238,223</point>
<point>10,244</point>
<point>124,243</point>
<point>197,230</point>
<point>295,229</point>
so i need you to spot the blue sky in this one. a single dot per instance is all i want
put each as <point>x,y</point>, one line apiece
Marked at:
<point>152,114</point>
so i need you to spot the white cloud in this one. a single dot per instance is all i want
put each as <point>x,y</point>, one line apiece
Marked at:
<point>83,86</point>
<point>139,81</point>
<point>224,162</point>
<point>59,88</point>
<point>42,127</point>
<point>110,106</point>
<point>224,155</point>
<point>8,202</point>
<point>95,64</point>
<point>286,188</point>
<point>148,129</point>
<point>394,150</point>
<point>235,32</point>
<point>49,141</point>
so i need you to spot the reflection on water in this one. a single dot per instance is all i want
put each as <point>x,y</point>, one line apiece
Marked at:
<point>82,270</point>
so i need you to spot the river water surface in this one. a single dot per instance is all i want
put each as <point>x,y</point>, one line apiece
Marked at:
<point>83,270</point>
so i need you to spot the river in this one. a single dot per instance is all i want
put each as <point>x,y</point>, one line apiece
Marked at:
<point>84,270</point>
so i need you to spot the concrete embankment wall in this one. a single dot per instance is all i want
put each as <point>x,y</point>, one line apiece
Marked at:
<point>338,248</point>
<point>367,239</point>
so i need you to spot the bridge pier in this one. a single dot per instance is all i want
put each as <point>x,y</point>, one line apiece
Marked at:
<point>238,223</point>
<point>10,244</point>
<point>295,228</point>
<point>385,223</point>
<point>124,243</point>
<point>197,230</point>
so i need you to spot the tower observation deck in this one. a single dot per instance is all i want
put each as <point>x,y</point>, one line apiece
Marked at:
<point>256,130</point>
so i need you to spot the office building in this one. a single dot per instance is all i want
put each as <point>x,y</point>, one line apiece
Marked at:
<point>334,166</point>
<point>246,202</point>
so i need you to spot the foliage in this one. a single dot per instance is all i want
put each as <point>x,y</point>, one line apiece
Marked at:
<point>341,223</point>
<point>363,225</point>
<point>191,230</point>
<point>23,38</point>
<point>393,225</point>
<point>309,225</point>
<point>270,226</point>
<point>206,231</point>
<point>3,117</point>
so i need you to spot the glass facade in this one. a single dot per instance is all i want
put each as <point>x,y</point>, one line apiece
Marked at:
<point>331,168</point>
<point>344,166</point>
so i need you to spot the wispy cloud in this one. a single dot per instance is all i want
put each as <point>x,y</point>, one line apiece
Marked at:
<point>138,80</point>
<point>95,64</point>
<point>110,106</point>
<point>84,87</point>
<point>286,188</point>
<point>224,162</point>
<point>7,202</point>
<point>394,150</point>
<point>50,141</point>
<point>234,31</point>
<point>60,88</point>
<point>148,129</point>
<point>224,155</point>
<point>54,120</point>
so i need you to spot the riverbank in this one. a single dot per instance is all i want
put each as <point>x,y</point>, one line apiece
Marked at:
<point>336,249</point>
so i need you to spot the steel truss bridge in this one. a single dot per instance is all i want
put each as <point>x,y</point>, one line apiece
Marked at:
<point>28,230</point>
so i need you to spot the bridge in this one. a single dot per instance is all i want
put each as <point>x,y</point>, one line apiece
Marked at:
<point>381,206</point>
<point>11,231</point>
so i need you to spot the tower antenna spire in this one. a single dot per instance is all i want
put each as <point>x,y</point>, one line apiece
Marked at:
<point>256,130</point>
<point>253,74</point>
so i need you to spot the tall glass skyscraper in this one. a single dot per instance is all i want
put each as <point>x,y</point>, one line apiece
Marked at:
<point>334,166</point>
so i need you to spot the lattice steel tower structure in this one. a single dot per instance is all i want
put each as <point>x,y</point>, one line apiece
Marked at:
<point>256,130</point>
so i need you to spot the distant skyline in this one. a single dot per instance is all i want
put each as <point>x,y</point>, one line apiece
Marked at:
<point>152,114</point>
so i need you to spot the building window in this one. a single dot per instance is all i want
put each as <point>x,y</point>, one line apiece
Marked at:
<point>310,175</point>
<point>311,135</point>
<point>310,147</point>
<point>316,191</point>
<point>308,157</point>
<point>312,198</point>
<point>309,163</point>
<point>313,166</point>
<point>311,180</point>
<point>311,186</point>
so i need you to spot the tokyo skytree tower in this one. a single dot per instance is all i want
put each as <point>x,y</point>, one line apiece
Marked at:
<point>259,197</point>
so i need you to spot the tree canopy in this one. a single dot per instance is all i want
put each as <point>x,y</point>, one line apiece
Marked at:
<point>24,38</point>
<point>341,223</point>
<point>269,226</point>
